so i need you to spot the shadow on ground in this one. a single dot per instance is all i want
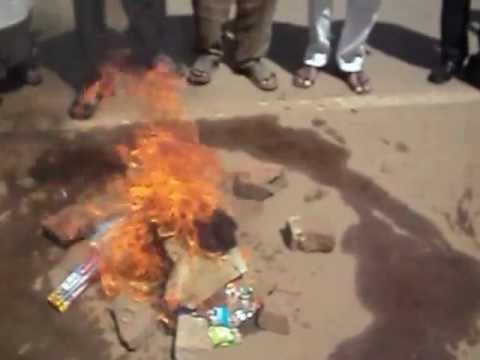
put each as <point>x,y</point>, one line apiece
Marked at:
<point>423,294</point>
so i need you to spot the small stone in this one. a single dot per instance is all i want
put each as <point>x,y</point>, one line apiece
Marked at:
<point>318,122</point>
<point>135,322</point>
<point>260,183</point>
<point>38,284</point>
<point>314,196</point>
<point>26,183</point>
<point>69,225</point>
<point>271,318</point>
<point>316,242</point>
<point>24,349</point>
<point>191,338</point>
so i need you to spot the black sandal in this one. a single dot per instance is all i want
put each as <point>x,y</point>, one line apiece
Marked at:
<point>259,74</point>
<point>359,82</point>
<point>305,77</point>
<point>203,68</point>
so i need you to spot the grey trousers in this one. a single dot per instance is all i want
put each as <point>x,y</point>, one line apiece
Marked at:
<point>360,19</point>
<point>252,26</point>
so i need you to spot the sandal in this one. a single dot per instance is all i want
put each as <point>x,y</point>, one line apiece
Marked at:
<point>259,74</point>
<point>203,68</point>
<point>86,103</point>
<point>31,75</point>
<point>83,110</point>
<point>305,77</point>
<point>359,82</point>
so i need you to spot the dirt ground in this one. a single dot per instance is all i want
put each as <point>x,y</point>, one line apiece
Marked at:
<point>394,176</point>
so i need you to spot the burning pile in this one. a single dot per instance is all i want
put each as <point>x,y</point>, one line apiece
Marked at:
<point>170,244</point>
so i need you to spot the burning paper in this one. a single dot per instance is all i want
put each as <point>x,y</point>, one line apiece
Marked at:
<point>172,182</point>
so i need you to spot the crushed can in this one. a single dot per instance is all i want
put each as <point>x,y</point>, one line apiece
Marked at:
<point>219,316</point>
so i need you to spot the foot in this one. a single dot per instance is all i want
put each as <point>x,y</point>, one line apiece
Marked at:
<point>259,74</point>
<point>444,72</point>
<point>31,76</point>
<point>359,82</point>
<point>203,68</point>
<point>305,77</point>
<point>87,101</point>
<point>472,71</point>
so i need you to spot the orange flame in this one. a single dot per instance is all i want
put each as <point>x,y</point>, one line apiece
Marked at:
<point>172,181</point>
<point>101,88</point>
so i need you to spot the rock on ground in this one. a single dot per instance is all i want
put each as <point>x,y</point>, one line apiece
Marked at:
<point>260,182</point>
<point>192,338</point>
<point>135,322</point>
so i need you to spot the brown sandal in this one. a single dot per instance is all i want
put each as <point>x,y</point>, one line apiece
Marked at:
<point>359,82</point>
<point>81,110</point>
<point>259,74</point>
<point>305,77</point>
<point>87,101</point>
<point>203,68</point>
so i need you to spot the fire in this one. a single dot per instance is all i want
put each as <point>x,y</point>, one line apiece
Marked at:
<point>172,181</point>
<point>101,88</point>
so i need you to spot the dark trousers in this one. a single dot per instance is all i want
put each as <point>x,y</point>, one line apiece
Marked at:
<point>91,27</point>
<point>252,26</point>
<point>455,19</point>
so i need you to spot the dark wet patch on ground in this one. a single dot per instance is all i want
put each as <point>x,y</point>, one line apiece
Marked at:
<point>402,147</point>
<point>423,294</point>
<point>318,122</point>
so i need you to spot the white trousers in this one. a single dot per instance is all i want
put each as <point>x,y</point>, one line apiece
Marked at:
<point>360,19</point>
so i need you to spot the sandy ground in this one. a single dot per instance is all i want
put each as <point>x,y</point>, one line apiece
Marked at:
<point>398,172</point>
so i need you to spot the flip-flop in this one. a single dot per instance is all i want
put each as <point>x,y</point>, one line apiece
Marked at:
<point>359,82</point>
<point>83,110</point>
<point>305,77</point>
<point>31,75</point>
<point>259,74</point>
<point>203,68</point>
<point>86,103</point>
